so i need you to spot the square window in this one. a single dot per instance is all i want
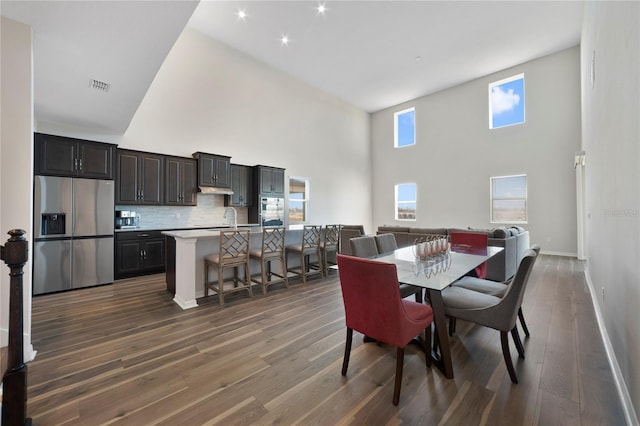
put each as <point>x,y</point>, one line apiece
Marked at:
<point>405,128</point>
<point>406,196</point>
<point>509,199</point>
<point>506,102</point>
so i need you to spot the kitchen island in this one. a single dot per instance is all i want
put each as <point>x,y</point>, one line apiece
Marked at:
<point>186,250</point>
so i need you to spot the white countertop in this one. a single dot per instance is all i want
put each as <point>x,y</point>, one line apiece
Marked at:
<point>208,233</point>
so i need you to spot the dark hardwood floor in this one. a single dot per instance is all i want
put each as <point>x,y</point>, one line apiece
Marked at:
<point>126,354</point>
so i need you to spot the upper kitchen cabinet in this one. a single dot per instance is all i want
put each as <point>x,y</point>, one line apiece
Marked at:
<point>181,181</point>
<point>62,156</point>
<point>270,181</point>
<point>139,178</point>
<point>241,187</point>
<point>213,170</point>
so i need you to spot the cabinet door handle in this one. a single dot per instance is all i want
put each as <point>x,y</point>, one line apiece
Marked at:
<point>143,235</point>
<point>145,254</point>
<point>75,164</point>
<point>141,254</point>
<point>80,164</point>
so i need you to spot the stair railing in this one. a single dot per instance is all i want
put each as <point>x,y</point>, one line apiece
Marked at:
<point>15,254</point>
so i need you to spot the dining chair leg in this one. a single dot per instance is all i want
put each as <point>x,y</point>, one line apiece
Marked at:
<point>452,325</point>
<point>347,351</point>
<point>303,268</point>
<point>398,383</point>
<point>504,339</point>
<point>427,344</point>
<point>517,341</point>
<point>523,323</point>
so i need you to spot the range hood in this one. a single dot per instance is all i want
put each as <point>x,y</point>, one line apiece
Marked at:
<point>212,190</point>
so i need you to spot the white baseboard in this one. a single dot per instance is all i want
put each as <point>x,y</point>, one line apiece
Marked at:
<point>623,392</point>
<point>558,253</point>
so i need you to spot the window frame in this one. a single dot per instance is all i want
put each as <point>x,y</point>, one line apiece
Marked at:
<point>398,202</point>
<point>524,111</point>
<point>304,201</point>
<point>525,199</point>
<point>395,127</point>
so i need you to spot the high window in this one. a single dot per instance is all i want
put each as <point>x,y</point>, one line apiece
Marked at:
<point>298,200</point>
<point>406,195</point>
<point>509,199</point>
<point>506,102</point>
<point>405,128</point>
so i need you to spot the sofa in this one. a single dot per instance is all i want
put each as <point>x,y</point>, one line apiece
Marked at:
<point>501,267</point>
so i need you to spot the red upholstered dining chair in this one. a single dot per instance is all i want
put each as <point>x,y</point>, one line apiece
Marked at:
<point>471,240</point>
<point>382,315</point>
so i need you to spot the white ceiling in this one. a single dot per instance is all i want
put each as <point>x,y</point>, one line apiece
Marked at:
<point>364,52</point>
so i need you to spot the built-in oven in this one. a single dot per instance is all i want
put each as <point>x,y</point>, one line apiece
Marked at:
<point>271,211</point>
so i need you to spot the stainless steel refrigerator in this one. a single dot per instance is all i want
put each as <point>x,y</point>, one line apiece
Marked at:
<point>73,224</point>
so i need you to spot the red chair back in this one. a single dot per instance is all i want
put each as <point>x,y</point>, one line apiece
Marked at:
<point>372,301</point>
<point>471,239</point>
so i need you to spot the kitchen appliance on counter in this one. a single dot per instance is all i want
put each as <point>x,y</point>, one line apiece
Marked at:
<point>271,211</point>
<point>73,226</point>
<point>126,219</point>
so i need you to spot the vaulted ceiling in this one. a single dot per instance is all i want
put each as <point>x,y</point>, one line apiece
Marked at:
<point>372,54</point>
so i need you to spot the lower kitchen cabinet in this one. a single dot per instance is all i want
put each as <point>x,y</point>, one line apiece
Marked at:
<point>139,253</point>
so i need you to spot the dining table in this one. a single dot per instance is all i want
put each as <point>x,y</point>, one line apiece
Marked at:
<point>434,273</point>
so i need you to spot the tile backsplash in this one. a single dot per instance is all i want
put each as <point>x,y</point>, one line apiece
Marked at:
<point>209,211</point>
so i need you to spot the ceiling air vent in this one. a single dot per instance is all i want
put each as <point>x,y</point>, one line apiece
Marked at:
<point>99,85</point>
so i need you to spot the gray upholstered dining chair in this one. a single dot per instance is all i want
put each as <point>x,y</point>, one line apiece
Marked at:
<point>491,311</point>
<point>364,246</point>
<point>386,243</point>
<point>367,246</point>
<point>497,289</point>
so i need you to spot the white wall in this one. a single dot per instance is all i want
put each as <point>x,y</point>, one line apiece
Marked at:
<point>456,153</point>
<point>611,140</point>
<point>16,159</point>
<point>208,97</point>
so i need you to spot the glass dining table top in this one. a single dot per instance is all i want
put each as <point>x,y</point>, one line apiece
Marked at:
<point>439,271</point>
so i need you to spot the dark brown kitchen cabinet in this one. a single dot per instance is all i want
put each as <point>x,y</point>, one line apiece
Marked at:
<point>241,187</point>
<point>180,181</point>
<point>62,156</point>
<point>139,253</point>
<point>139,178</point>
<point>270,181</point>
<point>213,170</point>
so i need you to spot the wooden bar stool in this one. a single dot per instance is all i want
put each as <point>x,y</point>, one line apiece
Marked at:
<point>233,253</point>
<point>272,249</point>
<point>329,245</point>
<point>310,246</point>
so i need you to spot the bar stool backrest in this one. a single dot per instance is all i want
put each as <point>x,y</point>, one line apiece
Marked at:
<point>273,241</point>
<point>234,247</point>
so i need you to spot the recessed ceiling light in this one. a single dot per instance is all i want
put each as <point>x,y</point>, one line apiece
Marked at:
<point>242,14</point>
<point>321,8</point>
<point>284,40</point>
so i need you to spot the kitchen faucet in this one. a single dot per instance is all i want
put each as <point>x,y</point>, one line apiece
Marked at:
<point>232,219</point>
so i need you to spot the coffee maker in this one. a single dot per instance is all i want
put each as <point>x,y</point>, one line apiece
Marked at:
<point>126,219</point>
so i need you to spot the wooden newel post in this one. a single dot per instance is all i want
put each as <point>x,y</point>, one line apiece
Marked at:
<point>15,254</point>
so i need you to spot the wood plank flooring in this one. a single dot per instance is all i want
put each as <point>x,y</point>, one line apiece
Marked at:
<point>126,354</point>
